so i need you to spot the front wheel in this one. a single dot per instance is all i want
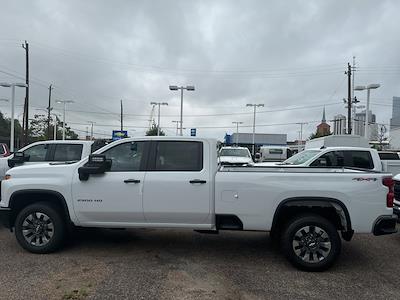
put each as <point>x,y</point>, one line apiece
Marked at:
<point>39,228</point>
<point>311,243</point>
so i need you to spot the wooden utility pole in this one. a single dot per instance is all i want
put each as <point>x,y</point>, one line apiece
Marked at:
<point>122,117</point>
<point>49,108</point>
<point>349,100</point>
<point>25,121</point>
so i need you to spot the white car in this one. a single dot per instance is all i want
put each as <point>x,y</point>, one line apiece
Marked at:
<point>234,156</point>
<point>168,182</point>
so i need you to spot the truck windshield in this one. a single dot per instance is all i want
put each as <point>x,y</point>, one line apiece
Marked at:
<point>234,152</point>
<point>301,157</point>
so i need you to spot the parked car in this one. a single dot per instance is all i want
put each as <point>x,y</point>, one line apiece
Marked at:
<point>175,182</point>
<point>4,151</point>
<point>234,156</point>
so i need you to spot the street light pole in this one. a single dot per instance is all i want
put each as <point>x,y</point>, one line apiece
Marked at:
<point>177,126</point>
<point>237,131</point>
<point>159,113</point>
<point>254,123</point>
<point>65,108</point>
<point>91,129</point>
<point>12,86</point>
<point>368,88</point>
<point>175,88</point>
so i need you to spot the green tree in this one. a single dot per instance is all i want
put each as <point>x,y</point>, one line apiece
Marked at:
<point>5,127</point>
<point>38,129</point>
<point>153,131</point>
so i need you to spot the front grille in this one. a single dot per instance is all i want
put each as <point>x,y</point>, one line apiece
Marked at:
<point>397,190</point>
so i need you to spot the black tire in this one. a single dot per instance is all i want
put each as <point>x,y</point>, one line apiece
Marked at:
<point>311,243</point>
<point>46,232</point>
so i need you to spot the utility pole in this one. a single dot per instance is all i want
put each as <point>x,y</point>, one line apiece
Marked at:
<point>26,104</point>
<point>301,135</point>
<point>49,108</point>
<point>254,105</point>
<point>354,99</point>
<point>122,117</point>
<point>177,126</point>
<point>349,99</point>
<point>91,129</point>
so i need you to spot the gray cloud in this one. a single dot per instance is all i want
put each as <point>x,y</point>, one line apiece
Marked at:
<point>283,54</point>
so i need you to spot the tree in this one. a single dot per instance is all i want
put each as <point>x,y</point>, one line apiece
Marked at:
<point>153,131</point>
<point>38,129</point>
<point>5,127</point>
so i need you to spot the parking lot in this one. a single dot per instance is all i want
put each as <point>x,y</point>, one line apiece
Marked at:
<point>176,264</point>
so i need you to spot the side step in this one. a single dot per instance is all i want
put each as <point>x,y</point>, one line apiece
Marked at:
<point>207,231</point>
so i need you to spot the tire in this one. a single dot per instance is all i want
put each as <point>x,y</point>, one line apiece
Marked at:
<point>40,228</point>
<point>311,243</point>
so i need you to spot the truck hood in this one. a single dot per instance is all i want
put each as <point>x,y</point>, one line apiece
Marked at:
<point>235,159</point>
<point>45,168</point>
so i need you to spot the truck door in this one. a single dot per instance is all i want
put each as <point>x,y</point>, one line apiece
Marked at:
<point>115,197</point>
<point>177,189</point>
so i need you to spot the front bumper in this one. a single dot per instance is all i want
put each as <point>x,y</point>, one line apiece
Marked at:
<point>5,217</point>
<point>385,225</point>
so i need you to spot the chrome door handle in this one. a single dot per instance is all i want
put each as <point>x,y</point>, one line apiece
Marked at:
<point>132,181</point>
<point>197,181</point>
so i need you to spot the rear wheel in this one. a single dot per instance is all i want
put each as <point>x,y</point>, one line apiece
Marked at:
<point>40,228</point>
<point>311,243</point>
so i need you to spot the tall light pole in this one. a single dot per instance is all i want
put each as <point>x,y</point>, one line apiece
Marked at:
<point>159,113</point>
<point>301,135</point>
<point>237,131</point>
<point>369,87</point>
<point>177,126</point>
<point>254,122</point>
<point>64,102</point>
<point>91,129</point>
<point>175,88</point>
<point>12,86</point>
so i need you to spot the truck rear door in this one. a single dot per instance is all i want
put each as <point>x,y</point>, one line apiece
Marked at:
<point>178,186</point>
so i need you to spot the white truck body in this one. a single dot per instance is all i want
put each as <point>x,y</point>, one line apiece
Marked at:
<point>84,152</point>
<point>200,197</point>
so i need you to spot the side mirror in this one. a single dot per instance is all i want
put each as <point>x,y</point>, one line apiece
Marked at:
<point>19,158</point>
<point>321,162</point>
<point>97,164</point>
<point>257,156</point>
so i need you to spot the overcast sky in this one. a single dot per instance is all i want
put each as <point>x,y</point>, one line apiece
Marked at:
<point>288,55</point>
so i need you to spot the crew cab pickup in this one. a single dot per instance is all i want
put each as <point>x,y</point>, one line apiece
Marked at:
<point>47,151</point>
<point>169,182</point>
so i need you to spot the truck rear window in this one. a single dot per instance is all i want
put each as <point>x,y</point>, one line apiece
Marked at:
<point>179,156</point>
<point>389,156</point>
<point>68,152</point>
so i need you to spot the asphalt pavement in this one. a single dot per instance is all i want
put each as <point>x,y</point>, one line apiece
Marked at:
<point>179,264</point>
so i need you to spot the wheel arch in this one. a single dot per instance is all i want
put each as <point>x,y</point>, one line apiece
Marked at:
<point>21,199</point>
<point>313,203</point>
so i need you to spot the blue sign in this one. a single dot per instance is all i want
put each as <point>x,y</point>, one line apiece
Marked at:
<point>193,132</point>
<point>119,134</point>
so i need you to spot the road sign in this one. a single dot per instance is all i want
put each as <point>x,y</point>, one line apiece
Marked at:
<point>119,134</point>
<point>193,132</point>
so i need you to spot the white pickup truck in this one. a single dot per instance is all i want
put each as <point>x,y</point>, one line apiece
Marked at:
<point>170,182</point>
<point>355,157</point>
<point>47,151</point>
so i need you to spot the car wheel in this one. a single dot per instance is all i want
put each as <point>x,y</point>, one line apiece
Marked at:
<point>39,228</point>
<point>311,243</point>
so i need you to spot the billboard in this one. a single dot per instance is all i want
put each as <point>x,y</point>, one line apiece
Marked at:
<point>119,134</point>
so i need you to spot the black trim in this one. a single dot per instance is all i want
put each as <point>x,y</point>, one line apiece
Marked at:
<point>228,222</point>
<point>39,191</point>
<point>311,201</point>
<point>385,225</point>
<point>396,211</point>
<point>5,217</point>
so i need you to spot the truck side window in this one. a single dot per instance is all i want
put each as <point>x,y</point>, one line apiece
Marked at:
<point>68,152</point>
<point>37,153</point>
<point>126,157</point>
<point>330,159</point>
<point>360,159</point>
<point>179,156</point>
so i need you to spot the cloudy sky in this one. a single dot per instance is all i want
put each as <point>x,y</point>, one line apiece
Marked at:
<point>288,55</point>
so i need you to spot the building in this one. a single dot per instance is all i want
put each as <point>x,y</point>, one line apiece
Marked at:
<point>395,120</point>
<point>323,128</point>
<point>259,139</point>
<point>359,125</point>
<point>339,125</point>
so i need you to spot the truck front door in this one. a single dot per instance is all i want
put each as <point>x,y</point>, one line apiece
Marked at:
<point>178,186</point>
<point>115,197</point>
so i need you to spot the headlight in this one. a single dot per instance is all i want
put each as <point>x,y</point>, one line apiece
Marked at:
<point>7,176</point>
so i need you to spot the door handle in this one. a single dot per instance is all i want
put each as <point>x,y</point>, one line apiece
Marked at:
<point>132,181</point>
<point>197,181</point>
